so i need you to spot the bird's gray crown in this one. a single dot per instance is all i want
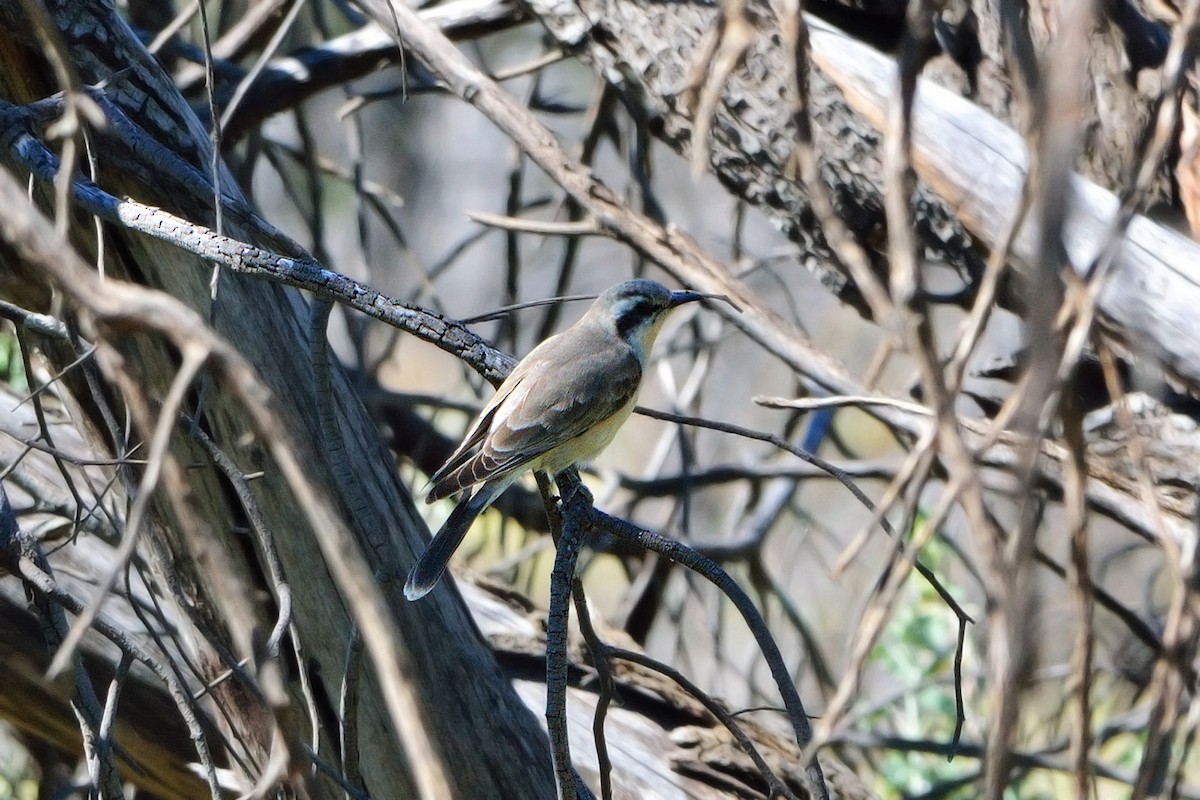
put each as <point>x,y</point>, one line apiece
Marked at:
<point>640,290</point>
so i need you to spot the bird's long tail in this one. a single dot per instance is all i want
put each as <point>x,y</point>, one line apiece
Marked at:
<point>429,567</point>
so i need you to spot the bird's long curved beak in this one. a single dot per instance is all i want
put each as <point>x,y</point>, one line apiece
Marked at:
<point>679,298</point>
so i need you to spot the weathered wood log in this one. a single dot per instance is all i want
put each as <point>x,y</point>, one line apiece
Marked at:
<point>978,165</point>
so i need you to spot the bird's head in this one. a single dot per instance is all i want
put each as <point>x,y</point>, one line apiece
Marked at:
<point>638,308</point>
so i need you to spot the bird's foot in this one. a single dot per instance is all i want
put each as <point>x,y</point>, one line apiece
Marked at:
<point>571,489</point>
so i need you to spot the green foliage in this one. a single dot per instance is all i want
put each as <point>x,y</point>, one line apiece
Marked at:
<point>16,780</point>
<point>914,660</point>
<point>12,370</point>
<point>916,653</point>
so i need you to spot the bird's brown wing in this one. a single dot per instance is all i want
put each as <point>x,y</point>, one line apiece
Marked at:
<point>525,420</point>
<point>469,446</point>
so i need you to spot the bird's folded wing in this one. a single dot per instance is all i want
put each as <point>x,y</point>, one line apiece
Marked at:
<point>465,452</point>
<point>548,405</point>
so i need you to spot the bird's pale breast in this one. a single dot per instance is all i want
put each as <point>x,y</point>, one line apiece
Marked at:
<point>587,445</point>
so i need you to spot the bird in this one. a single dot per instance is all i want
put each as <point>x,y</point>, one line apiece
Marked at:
<point>560,406</point>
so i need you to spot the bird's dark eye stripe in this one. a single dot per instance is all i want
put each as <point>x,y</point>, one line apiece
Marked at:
<point>635,314</point>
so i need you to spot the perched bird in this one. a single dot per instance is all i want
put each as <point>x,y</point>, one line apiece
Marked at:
<point>560,406</point>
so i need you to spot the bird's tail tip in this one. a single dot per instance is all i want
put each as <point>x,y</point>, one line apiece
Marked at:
<point>416,589</point>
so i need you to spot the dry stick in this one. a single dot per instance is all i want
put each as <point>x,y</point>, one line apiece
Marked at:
<point>214,140</point>
<point>230,594</point>
<point>586,516</point>
<point>104,780</point>
<point>877,614</point>
<point>378,196</point>
<point>161,579</point>
<point>352,792</point>
<point>273,690</point>
<point>679,396</point>
<point>599,653</point>
<point>583,227</point>
<point>357,328</point>
<point>348,711</point>
<point>1185,751</point>
<point>721,51</point>
<point>791,612</point>
<point>160,628</point>
<point>601,109</point>
<point>259,65</point>
<point>915,324</point>
<point>971,330</point>
<point>1080,583</point>
<point>43,428</point>
<point>506,335</point>
<point>1055,107</point>
<point>805,161</point>
<point>309,694</point>
<point>884,309</point>
<point>77,106</point>
<point>758,472</point>
<point>171,29</point>
<point>914,471</point>
<point>119,443</point>
<point>193,359</point>
<point>82,358</point>
<point>39,446</point>
<point>536,64</point>
<point>916,327</point>
<point>106,738</point>
<point>841,401</point>
<point>1179,560</point>
<point>496,313</point>
<point>562,577</point>
<point>1026,761</point>
<point>232,43</point>
<point>1137,626</point>
<point>597,648</point>
<point>1172,670</point>
<point>266,539</point>
<point>1167,690</point>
